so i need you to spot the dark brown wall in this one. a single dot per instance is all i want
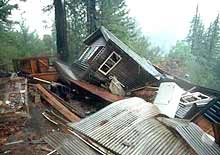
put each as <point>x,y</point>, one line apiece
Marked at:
<point>128,72</point>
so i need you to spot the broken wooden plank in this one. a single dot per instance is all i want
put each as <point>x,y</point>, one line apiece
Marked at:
<point>56,104</point>
<point>98,91</point>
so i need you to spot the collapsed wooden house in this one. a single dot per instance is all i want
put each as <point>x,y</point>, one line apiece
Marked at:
<point>106,57</point>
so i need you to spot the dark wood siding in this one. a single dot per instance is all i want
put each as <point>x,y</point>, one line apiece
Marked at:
<point>99,42</point>
<point>127,71</point>
<point>83,67</point>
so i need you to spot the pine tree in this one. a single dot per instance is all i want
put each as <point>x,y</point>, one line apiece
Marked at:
<point>113,14</point>
<point>76,26</point>
<point>5,11</point>
<point>214,47</point>
<point>91,15</point>
<point>213,41</point>
<point>196,35</point>
<point>61,29</point>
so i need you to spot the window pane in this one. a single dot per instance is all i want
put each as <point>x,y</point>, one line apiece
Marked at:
<point>92,52</point>
<point>110,63</point>
<point>105,68</point>
<point>82,57</point>
<point>115,57</point>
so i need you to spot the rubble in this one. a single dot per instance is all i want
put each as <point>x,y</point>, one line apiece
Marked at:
<point>38,67</point>
<point>92,107</point>
<point>56,104</point>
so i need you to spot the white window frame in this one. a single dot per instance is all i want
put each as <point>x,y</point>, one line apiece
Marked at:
<point>85,52</point>
<point>93,52</point>
<point>89,52</point>
<point>104,63</point>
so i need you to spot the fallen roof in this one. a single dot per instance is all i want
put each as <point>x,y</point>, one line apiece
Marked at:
<point>109,37</point>
<point>98,91</point>
<point>65,71</point>
<point>193,135</point>
<point>133,126</point>
<point>67,144</point>
<point>70,77</point>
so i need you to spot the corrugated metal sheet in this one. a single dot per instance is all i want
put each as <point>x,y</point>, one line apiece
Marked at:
<point>67,144</point>
<point>182,110</point>
<point>194,136</point>
<point>212,111</point>
<point>130,127</point>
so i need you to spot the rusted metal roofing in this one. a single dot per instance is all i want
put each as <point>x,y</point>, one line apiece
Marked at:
<point>67,144</point>
<point>194,136</point>
<point>131,127</point>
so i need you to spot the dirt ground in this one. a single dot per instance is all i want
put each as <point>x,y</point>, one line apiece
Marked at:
<point>27,133</point>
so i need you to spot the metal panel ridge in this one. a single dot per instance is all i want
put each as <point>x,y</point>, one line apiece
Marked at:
<point>130,127</point>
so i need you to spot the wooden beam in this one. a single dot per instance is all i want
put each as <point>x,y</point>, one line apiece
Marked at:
<point>56,104</point>
<point>216,129</point>
<point>98,91</point>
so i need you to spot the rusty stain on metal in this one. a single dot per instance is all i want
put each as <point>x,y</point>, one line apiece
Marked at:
<point>130,127</point>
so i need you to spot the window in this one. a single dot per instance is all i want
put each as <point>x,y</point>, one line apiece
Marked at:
<point>109,63</point>
<point>89,52</point>
<point>85,53</point>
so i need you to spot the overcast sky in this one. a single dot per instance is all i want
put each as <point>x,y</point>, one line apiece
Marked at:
<point>164,21</point>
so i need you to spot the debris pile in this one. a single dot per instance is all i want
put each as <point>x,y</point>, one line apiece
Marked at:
<point>13,106</point>
<point>110,101</point>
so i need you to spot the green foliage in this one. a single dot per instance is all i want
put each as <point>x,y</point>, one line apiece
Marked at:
<point>76,25</point>
<point>22,43</point>
<point>113,14</point>
<point>196,35</point>
<point>200,55</point>
<point>5,11</point>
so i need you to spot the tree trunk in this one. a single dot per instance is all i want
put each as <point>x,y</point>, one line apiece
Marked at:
<point>91,15</point>
<point>61,30</point>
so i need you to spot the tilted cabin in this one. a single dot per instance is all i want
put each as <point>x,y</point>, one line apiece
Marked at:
<point>107,56</point>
